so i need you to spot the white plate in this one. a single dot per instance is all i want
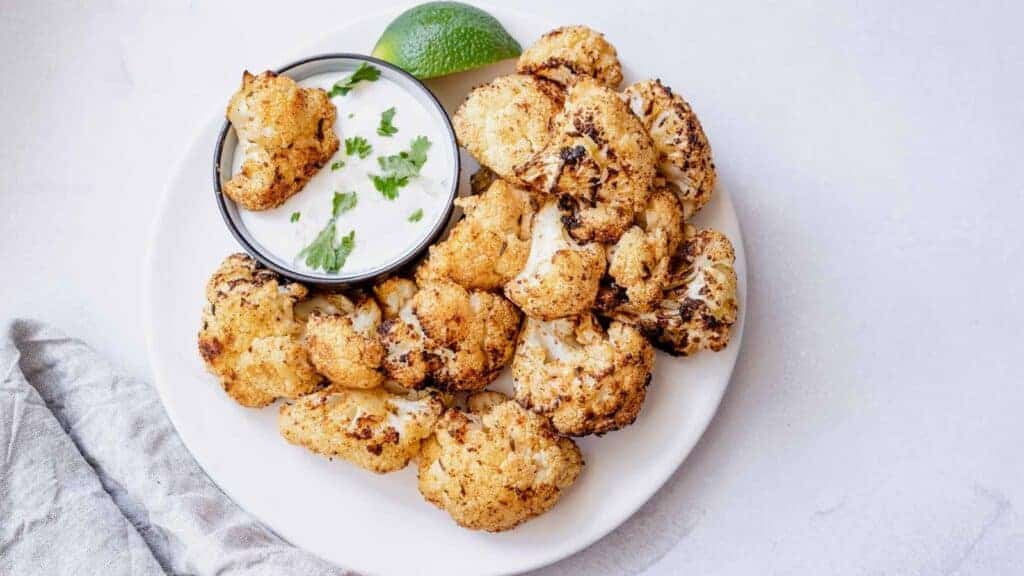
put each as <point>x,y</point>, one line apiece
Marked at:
<point>380,524</point>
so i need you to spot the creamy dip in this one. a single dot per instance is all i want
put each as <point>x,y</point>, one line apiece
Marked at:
<point>385,229</point>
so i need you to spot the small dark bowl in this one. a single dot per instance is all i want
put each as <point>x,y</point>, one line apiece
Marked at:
<point>224,153</point>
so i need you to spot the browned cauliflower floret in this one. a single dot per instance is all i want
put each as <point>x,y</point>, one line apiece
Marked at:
<point>393,294</point>
<point>342,339</point>
<point>640,262</point>
<point>457,338</point>
<point>561,276</point>
<point>287,133</point>
<point>600,163</point>
<point>250,338</point>
<point>379,430</point>
<point>684,155</point>
<point>586,380</point>
<point>496,465</point>
<point>507,121</point>
<point>699,305</point>
<point>487,247</point>
<point>565,54</point>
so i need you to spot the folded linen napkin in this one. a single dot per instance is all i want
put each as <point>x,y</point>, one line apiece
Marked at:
<point>94,479</point>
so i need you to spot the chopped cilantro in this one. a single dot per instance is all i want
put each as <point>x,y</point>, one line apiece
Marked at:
<point>325,252</point>
<point>338,165</point>
<point>389,184</point>
<point>364,72</point>
<point>351,114</point>
<point>343,203</point>
<point>357,145</point>
<point>386,128</point>
<point>416,216</point>
<point>295,216</point>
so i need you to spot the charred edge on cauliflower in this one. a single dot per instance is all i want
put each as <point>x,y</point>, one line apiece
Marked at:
<point>566,54</point>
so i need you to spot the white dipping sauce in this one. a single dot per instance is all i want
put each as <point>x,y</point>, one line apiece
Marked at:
<point>383,232</point>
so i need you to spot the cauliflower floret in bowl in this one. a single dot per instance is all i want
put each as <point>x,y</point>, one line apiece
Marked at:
<point>341,338</point>
<point>496,465</point>
<point>561,276</point>
<point>250,338</point>
<point>379,429</point>
<point>586,380</point>
<point>489,245</point>
<point>445,334</point>
<point>565,54</point>
<point>698,308</point>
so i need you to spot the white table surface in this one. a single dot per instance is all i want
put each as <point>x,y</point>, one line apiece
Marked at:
<point>875,421</point>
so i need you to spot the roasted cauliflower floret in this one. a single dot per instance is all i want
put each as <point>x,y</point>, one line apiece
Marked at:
<point>496,465</point>
<point>379,430</point>
<point>565,54</point>
<point>393,294</point>
<point>684,155</point>
<point>287,133</point>
<point>342,340</point>
<point>507,121</point>
<point>600,163</point>
<point>250,338</point>
<point>489,245</point>
<point>561,276</point>
<point>586,380</point>
<point>640,262</point>
<point>448,335</point>
<point>699,305</point>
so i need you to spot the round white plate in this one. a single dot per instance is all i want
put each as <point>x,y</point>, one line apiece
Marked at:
<point>380,524</point>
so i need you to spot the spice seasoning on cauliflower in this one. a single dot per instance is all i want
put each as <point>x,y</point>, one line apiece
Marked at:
<point>565,54</point>
<point>287,133</point>
<point>586,380</point>
<point>445,334</point>
<point>496,465</point>
<point>379,430</point>
<point>698,308</point>
<point>561,276</point>
<point>684,154</point>
<point>599,162</point>
<point>250,338</point>
<point>342,340</point>
<point>489,245</point>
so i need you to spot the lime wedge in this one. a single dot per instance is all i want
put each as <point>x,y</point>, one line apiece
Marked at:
<point>439,38</point>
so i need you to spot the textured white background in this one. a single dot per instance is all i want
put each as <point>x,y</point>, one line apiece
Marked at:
<point>875,422</point>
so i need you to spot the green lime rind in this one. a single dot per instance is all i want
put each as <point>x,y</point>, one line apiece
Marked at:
<point>440,38</point>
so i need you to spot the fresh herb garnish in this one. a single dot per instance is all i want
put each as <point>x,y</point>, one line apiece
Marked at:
<point>338,165</point>
<point>357,145</point>
<point>326,252</point>
<point>364,72</point>
<point>351,114</point>
<point>398,168</point>
<point>416,216</point>
<point>388,185</point>
<point>386,128</point>
<point>295,216</point>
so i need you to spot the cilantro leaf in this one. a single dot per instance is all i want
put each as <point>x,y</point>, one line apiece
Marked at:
<point>357,145</point>
<point>389,184</point>
<point>416,216</point>
<point>364,72</point>
<point>342,203</point>
<point>338,165</point>
<point>325,252</point>
<point>386,128</point>
<point>295,216</point>
<point>407,163</point>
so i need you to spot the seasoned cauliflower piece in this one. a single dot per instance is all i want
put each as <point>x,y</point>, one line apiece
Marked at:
<point>448,335</point>
<point>699,305</point>
<point>586,380</point>
<point>565,54</point>
<point>489,245</point>
<point>600,163</point>
<point>496,465</point>
<point>561,277</point>
<point>250,338</point>
<point>507,121</point>
<point>393,294</point>
<point>684,155</point>
<point>379,430</point>
<point>640,261</point>
<point>342,341</point>
<point>287,133</point>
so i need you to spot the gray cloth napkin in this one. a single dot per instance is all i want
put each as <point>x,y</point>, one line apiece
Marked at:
<point>94,479</point>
